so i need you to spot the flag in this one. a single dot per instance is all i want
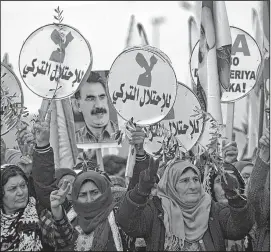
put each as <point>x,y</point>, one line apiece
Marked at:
<point>253,99</point>
<point>62,134</point>
<point>214,61</point>
<point>193,33</point>
<point>265,25</point>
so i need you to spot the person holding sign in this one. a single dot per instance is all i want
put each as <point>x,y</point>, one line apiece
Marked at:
<point>92,101</point>
<point>182,217</point>
<point>259,194</point>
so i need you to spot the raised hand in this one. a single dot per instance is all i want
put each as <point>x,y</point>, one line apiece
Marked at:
<point>25,139</point>
<point>147,177</point>
<point>58,197</point>
<point>41,128</point>
<point>137,139</point>
<point>26,165</point>
<point>230,186</point>
<point>230,152</point>
<point>265,146</point>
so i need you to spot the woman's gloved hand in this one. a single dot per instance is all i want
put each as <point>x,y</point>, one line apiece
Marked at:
<point>147,178</point>
<point>230,185</point>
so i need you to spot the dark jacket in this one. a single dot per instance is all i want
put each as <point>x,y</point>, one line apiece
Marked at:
<point>43,176</point>
<point>142,163</point>
<point>146,220</point>
<point>41,183</point>
<point>259,197</point>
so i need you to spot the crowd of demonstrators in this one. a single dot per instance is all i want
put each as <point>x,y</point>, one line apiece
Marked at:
<point>166,205</point>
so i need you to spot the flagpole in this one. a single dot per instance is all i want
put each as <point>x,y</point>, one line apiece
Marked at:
<point>230,121</point>
<point>156,23</point>
<point>261,111</point>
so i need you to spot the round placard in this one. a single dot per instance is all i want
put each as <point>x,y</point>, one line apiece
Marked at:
<point>180,121</point>
<point>11,99</point>
<point>245,62</point>
<point>142,84</point>
<point>55,58</point>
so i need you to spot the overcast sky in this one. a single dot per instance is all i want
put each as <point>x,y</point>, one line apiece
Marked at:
<point>105,25</point>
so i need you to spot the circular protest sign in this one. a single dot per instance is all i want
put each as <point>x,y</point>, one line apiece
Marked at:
<point>11,99</point>
<point>54,60</point>
<point>245,62</point>
<point>142,84</point>
<point>180,122</point>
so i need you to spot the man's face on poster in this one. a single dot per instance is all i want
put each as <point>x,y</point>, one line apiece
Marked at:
<point>93,104</point>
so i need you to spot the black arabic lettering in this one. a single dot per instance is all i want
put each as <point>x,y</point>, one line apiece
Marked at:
<point>166,99</point>
<point>117,95</point>
<point>64,76</point>
<point>78,78</point>
<point>149,96</point>
<point>49,69</point>
<point>27,69</point>
<point>195,129</point>
<point>183,129</point>
<point>53,75</point>
<point>141,103</point>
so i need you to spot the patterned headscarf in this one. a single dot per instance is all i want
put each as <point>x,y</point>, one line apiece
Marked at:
<point>20,231</point>
<point>183,221</point>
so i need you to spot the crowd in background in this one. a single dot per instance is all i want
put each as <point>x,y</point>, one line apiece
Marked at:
<point>166,206</point>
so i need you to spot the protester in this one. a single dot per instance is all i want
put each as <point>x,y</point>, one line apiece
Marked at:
<point>214,184</point>
<point>95,227</point>
<point>19,218</point>
<point>214,188</point>
<point>245,169</point>
<point>114,165</point>
<point>92,101</point>
<point>26,223</point>
<point>183,216</point>
<point>117,181</point>
<point>259,194</point>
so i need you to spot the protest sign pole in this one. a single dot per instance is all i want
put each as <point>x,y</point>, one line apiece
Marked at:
<point>229,121</point>
<point>100,158</point>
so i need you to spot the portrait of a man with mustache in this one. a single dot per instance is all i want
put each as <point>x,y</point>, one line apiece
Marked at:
<point>92,102</point>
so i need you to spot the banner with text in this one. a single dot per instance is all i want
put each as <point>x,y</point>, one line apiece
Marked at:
<point>54,60</point>
<point>142,84</point>
<point>245,61</point>
<point>180,122</point>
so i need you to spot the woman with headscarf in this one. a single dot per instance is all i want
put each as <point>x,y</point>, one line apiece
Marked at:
<point>95,227</point>
<point>183,216</point>
<point>26,222</point>
<point>24,226</point>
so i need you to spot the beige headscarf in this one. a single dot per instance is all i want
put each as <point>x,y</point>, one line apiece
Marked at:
<point>182,221</point>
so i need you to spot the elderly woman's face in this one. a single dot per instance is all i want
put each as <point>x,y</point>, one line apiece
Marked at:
<point>15,194</point>
<point>188,187</point>
<point>88,192</point>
